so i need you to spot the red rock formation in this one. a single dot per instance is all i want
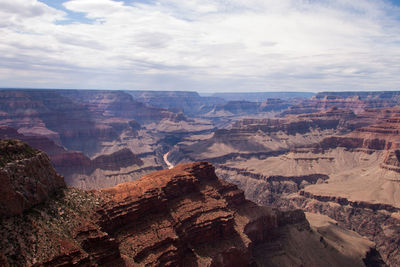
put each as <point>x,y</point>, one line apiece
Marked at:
<point>330,119</point>
<point>115,161</point>
<point>185,216</point>
<point>193,208</point>
<point>380,136</point>
<point>392,161</point>
<point>26,177</point>
<point>383,134</point>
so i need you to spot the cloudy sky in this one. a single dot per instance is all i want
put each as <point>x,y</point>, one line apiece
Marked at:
<point>203,45</point>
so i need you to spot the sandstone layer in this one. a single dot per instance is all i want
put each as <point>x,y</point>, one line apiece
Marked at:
<point>185,216</point>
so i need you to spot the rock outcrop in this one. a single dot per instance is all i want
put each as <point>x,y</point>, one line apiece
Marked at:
<point>26,177</point>
<point>392,161</point>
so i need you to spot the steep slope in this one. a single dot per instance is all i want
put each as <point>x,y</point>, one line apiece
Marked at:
<point>185,216</point>
<point>110,104</point>
<point>89,121</point>
<point>81,171</point>
<point>48,113</point>
<point>26,177</point>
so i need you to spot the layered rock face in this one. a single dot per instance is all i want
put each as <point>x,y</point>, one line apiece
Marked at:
<point>356,101</point>
<point>392,161</point>
<point>190,103</point>
<point>377,95</point>
<point>77,127</point>
<point>79,120</point>
<point>50,114</point>
<point>39,142</point>
<point>242,108</point>
<point>185,216</point>
<point>110,104</point>
<point>115,161</point>
<point>331,119</point>
<point>382,135</point>
<point>275,104</point>
<point>235,108</point>
<point>92,173</point>
<point>262,96</point>
<point>353,178</point>
<point>264,137</point>
<point>193,209</point>
<point>75,162</point>
<point>26,177</point>
<point>337,163</point>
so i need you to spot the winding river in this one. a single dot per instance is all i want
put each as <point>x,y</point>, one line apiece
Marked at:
<point>169,164</point>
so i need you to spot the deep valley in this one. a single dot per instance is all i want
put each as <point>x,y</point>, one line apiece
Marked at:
<point>168,178</point>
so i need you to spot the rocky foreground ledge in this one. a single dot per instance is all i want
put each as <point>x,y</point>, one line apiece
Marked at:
<point>184,216</point>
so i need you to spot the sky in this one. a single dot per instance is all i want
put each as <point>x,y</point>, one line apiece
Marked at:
<point>201,45</point>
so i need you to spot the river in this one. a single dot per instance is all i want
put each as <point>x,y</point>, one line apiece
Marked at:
<point>169,164</point>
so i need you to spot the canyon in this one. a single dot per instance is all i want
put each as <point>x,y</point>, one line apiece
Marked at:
<point>185,216</point>
<point>340,160</point>
<point>150,178</point>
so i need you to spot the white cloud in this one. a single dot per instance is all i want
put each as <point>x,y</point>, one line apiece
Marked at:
<point>202,45</point>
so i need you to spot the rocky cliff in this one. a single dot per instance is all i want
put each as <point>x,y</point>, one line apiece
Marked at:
<point>265,137</point>
<point>190,103</point>
<point>26,177</point>
<point>109,104</point>
<point>382,135</point>
<point>80,120</point>
<point>376,95</point>
<point>50,114</point>
<point>74,165</point>
<point>353,178</point>
<point>185,216</point>
<point>242,108</point>
<point>355,101</point>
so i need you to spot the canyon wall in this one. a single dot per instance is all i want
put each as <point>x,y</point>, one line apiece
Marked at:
<point>185,216</point>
